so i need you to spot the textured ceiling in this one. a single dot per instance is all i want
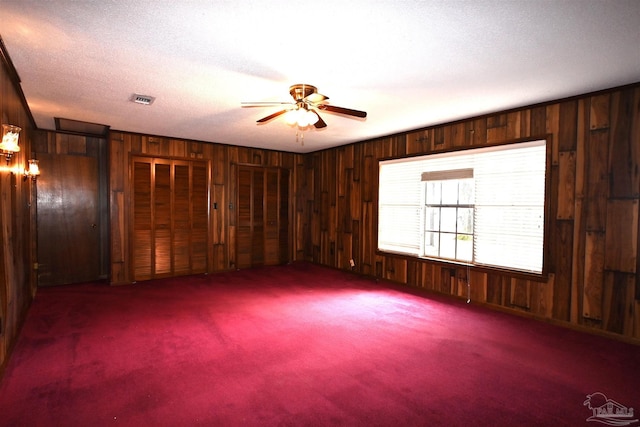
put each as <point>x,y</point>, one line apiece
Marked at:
<point>409,64</point>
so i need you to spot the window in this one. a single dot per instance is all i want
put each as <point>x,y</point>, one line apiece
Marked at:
<point>448,213</point>
<point>483,206</point>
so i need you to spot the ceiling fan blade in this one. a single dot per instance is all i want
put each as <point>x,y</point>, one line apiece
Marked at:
<point>264,104</point>
<point>320,123</point>
<point>341,110</point>
<point>272,116</point>
<point>315,98</point>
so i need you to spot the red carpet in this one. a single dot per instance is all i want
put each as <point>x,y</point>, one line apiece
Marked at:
<point>299,345</point>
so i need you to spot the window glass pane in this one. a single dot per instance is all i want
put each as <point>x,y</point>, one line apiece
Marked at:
<point>465,220</point>
<point>448,219</point>
<point>433,193</point>
<point>450,192</point>
<point>448,245</point>
<point>431,244</point>
<point>466,193</point>
<point>432,219</point>
<point>465,247</point>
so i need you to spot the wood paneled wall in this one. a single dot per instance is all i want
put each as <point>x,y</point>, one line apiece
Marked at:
<point>222,160</point>
<point>17,220</point>
<point>593,281</point>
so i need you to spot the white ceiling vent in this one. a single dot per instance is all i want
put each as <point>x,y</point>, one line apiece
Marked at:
<point>142,99</point>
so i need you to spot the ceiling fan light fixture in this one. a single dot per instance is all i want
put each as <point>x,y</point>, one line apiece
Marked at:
<point>291,117</point>
<point>301,117</point>
<point>312,117</point>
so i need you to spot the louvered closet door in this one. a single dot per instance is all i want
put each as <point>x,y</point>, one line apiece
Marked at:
<point>181,221</point>
<point>283,217</point>
<point>271,235</point>
<point>170,218</point>
<point>199,217</point>
<point>245,219</point>
<point>257,219</point>
<point>162,215</point>
<point>142,239</point>
<point>263,216</point>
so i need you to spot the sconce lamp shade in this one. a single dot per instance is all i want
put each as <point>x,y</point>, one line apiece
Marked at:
<point>9,144</point>
<point>33,171</point>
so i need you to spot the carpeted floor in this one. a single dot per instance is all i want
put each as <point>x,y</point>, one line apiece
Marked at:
<point>300,345</point>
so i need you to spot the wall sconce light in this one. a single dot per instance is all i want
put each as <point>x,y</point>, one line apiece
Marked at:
<point>33,171</point>
<point>9,144</point>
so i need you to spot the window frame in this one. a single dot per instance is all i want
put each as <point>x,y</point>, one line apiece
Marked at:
<point>548,202</point>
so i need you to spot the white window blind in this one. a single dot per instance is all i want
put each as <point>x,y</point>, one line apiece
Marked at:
<point>509,211</point>
<point>509,185</point>
<point>399,207</point>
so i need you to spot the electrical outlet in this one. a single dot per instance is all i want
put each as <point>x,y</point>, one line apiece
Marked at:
<point>352,263</point>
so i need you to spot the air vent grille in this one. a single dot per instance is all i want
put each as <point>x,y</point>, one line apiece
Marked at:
<point>142,99</point>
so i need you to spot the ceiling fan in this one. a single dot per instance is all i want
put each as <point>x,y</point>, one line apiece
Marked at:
<point>303,110</point>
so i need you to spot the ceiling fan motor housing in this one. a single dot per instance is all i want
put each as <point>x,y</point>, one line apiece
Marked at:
<point>300,91</point>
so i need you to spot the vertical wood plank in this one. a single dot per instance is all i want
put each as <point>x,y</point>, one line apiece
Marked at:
<point>599,112</point>
<point>476,132</point>
<point>562,284</point>
<point>619,303</point>
<point>624,147</point>
<point>218,214</point>
<point>621,235</point>
<point>494,288</point>
<point>568,121</point>
<point>520,293</point>
<point>597,180</point>
<point>577,280</point>
<point>514,125</point>
<point>553,127</point>
<point>542,297</point>
<point>593,275</point>
<point>418,142</point>
<point>566,191</point>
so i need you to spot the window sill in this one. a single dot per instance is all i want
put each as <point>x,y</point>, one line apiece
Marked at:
<point>518,274</point>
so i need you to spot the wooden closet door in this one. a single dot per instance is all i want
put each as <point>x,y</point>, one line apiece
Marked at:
<point>162,216</point>
<point>262,216</point>
<point>257,218</point>
<point>181,220</point>
<point>199,197</point>
<point>170,218</point>
<point>244,218</point>
<point>271,216</point>
<point>283,217</point>
<point>142,238</point>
